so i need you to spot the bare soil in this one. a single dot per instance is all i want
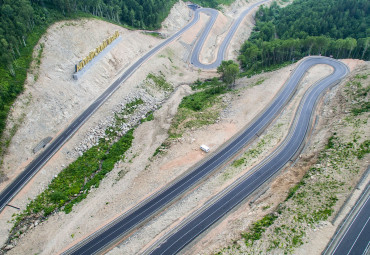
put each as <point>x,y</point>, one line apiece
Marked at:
<point>228,231</point>
<point>239,113</point>
<point>56,99</point>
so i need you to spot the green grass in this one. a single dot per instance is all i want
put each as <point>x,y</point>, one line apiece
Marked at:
<point>314,199</point>
<point>74,182</point>
<point>202,100</point>
<point>255,232</point>
<point>154,34</point>
<point>186,119</point>
<point>363,149</point>
<point>11,85</point>
<point>257,150</point>
<point>160,81</point>
<point>293,190</point>
<point>210,83</point>
<point>238,162</point>
<point>198,109</point>
<point>358,94</point>
<point>271,68</point>
<point>161,149</point>
<point>149,117</point>
<point>259,82</point>
<point>363,107</point>
<point>213,3</point>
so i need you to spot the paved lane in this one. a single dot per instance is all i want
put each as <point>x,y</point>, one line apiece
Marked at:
<point>150,207</point>
<point>12,189</point>
<point>245,186</point>
<point>225,43</point>
<point>353,237</point>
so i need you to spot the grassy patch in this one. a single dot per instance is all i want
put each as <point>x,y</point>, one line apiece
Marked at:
<point>213,4</point>
<point>199,109</point>
<point>186,119</point>
<point>159,81</point>
<point>149,117</point>
<point>154,34</point>
<point>258,149</point>
<point>255,232</point>
<point>39,55</point>
<point>202,100</point>
<point>74,182</point>
<point>313,200</point>
<point>210,83</point>
<point>162,148</point>
<point>358,95</point>
<point>364,107</point>
<point>259,82</point>
<point>238,162</point>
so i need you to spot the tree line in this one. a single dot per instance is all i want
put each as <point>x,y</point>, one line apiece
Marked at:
<point>212,3</point>
<point>22,23</point>
<point>19,17</point>
<point>146,14</point>
<point>337,28</point>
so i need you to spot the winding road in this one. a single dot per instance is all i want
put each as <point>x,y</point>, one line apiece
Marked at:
<point>245,186</point>
<point>194,60</point>
<point>123,225</point>
<point>129,221</point>
<point>21,180</point>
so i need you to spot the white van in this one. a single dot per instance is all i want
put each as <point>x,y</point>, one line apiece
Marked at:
<point>204,148</point>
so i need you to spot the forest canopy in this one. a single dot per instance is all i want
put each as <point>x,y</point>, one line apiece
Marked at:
<point>337,28</point>
<point>22,23</point>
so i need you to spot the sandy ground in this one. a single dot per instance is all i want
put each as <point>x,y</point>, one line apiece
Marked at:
<point>244,29</point>
<point>215,38</point>
<point>56,99</point>
<point>239,114</point>
<point>144,177</point>
<point>318,238</point>
<point>240,219</point>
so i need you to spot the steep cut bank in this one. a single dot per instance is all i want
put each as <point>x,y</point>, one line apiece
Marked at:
<point>298,212</point>
<point>22,24</point>
<point>166,62</point>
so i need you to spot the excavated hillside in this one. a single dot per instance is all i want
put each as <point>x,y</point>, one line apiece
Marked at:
<point>52,99</point>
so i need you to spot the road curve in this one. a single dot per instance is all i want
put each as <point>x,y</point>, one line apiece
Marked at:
<point>194,60</point>
<point>124,224</point>
<point>243,187</point>
<point>353,235</point>
<point>13,188</point>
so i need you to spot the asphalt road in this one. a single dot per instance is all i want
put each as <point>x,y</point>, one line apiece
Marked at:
<point>11,190</point>
<point>353,237</point>
<point>265,170</point>
<point>194,60</point>
<point>150,207</point>
<point>126,223</point>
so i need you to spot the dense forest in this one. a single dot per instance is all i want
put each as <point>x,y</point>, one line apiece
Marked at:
<point>22,23</point>
<point>337,28</point>
<point>212,3</point>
